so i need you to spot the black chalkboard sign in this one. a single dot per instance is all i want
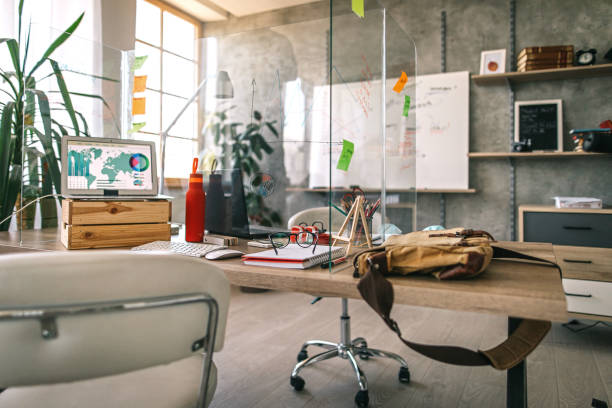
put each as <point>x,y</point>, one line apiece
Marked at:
<point>540,122</point>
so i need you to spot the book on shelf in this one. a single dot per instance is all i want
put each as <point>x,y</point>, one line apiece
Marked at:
<point>546,49</point>
<point>529,67</point>
<point>294,256</point>
<point>557,57</point>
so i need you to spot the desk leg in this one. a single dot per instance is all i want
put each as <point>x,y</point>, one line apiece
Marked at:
<point>516,381</point>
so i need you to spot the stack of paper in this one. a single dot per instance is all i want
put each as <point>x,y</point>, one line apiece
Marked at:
<point>577,202</point>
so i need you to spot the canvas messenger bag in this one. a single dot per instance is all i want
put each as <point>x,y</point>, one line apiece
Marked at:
<point>448,254</point>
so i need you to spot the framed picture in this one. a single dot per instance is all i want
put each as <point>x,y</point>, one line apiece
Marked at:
<point>539,123</point>
<point>493,62</point>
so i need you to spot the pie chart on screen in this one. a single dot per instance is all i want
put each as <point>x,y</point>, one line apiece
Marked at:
<point>139,162</point>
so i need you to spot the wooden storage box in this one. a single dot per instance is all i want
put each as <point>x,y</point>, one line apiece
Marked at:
<point>107,224</point>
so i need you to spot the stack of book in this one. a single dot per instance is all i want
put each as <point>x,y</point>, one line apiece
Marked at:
<point>534,58</point>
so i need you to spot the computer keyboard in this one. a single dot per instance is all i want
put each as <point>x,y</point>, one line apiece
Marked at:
<point>181,248</point>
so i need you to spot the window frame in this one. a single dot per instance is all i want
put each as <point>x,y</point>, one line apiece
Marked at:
<point>173,182</point>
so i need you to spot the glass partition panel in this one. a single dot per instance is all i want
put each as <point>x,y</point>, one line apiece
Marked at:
<point>373,133</point>
<point>77,90</point>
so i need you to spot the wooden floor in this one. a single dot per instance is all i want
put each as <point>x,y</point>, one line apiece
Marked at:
<point>266,330</point>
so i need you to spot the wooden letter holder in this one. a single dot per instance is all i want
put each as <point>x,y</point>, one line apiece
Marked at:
<point>107,224</point>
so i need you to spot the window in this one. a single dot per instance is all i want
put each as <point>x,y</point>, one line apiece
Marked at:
<point>168,38</point>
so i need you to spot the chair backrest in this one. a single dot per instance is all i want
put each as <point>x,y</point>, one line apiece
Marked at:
<point>99,344</point>
<point>311,215</point>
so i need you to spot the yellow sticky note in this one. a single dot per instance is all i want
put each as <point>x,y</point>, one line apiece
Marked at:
<point>358,8</point>
<point>401,82</point>
<point>138,106</point>
<point>140,83</point>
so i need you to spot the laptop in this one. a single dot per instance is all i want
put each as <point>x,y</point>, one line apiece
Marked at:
<point>100,168</point>
<point>226,207</point>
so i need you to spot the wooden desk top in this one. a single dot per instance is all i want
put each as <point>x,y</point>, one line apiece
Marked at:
<point>507,287</point>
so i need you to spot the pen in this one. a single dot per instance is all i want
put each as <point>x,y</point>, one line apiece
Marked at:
<point>333,263</point>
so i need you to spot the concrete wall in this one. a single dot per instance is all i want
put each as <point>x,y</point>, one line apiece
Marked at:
<point>474,26</point>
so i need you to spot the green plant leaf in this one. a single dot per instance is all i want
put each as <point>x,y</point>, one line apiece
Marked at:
<point>50,158</point>
<point>27,48</point>
<point>46,138</point>
<point>10,196</point>
<point>270,126</point>
<point>65,94</point>
<point>106,105</point>
<point>13,48</point>
<point>58,41</point>
<point>8,80</point>
<point>85,131</point>
<point>6,137</point>
<point>261,142</point>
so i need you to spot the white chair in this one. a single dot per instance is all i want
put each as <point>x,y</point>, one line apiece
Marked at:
<point>321,214</point>
<point>345,348</point>
<point>109,329</point>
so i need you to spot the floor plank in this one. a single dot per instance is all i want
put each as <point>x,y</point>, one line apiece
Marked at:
<point>266,330</point>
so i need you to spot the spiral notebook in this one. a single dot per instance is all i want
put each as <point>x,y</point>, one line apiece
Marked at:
<point>294,256</point>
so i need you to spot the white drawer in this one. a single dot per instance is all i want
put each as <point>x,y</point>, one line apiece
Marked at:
<point>590,297</point>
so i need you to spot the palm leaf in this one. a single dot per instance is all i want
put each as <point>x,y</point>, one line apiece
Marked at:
<point>65,94</point>
<point>5,145</point>
<point>58,41</point>
<point>8,80</point>
<point>50,158</point>
<point>47,137</point>
<point>13,48</point>
<point>105,105</point>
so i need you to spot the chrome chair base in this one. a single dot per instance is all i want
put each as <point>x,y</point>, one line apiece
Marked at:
<point>346,349</point>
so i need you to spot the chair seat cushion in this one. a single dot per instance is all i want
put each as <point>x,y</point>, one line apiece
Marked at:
<point>175,385</point>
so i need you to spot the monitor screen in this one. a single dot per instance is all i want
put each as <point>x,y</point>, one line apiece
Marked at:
<point>95,165</point>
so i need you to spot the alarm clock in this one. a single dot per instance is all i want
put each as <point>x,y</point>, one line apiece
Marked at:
<point>586,57</point>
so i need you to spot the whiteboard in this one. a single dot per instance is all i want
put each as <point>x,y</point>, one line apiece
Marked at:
<point>438,156</point>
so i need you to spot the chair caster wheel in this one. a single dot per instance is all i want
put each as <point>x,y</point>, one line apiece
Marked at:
<point>362,399</point>
<point>404,375</point>
<point>302,355</point>
<point>297,383</point>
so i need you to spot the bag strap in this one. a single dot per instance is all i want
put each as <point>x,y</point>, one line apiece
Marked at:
<point>377,291</point>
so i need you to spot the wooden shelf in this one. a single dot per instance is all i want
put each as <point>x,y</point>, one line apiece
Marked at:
<point>370,190</point>
<point>589,71</point>
<point>498,155</point>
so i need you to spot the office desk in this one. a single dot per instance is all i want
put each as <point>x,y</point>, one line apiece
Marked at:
<point>514,289</point>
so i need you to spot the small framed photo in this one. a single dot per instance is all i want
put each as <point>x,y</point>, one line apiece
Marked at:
<point>539,124</point>
<point>493,62</point>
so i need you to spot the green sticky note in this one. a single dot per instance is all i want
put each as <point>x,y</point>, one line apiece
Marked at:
<point>406,104</point>
<point>136,127</point>
<point>139,62</point>
<point>357,6</point>
<point>347,154</point>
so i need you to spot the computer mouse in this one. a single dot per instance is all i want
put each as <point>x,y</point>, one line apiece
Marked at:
<point>223,254</point>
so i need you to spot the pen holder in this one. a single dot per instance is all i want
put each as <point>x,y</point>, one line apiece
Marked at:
<point>360,234</point>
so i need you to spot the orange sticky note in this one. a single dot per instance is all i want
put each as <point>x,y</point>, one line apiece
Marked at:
<point>401,82</point>
<point>138,106</point>
<point>140,83</point>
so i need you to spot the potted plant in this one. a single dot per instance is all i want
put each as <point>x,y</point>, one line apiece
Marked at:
<point>29,154</point>
<point>242,147</point>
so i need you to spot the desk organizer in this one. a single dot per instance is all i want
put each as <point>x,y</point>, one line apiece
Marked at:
<point>108,224</point>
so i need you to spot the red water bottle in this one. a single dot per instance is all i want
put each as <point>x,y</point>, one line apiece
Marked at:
<point>195,205</point>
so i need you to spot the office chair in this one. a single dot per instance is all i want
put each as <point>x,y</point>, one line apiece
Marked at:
<point>346,348</point>
<point>109,329</point>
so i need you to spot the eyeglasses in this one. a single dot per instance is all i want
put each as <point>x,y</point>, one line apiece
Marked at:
<point>304,239</point>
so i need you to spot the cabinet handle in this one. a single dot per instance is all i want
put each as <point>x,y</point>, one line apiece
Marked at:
<point>584,261</point>
<point>578,295</point>
<point>571,227</point>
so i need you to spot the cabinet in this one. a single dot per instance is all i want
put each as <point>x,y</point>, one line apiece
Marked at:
<point>583,249</point>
